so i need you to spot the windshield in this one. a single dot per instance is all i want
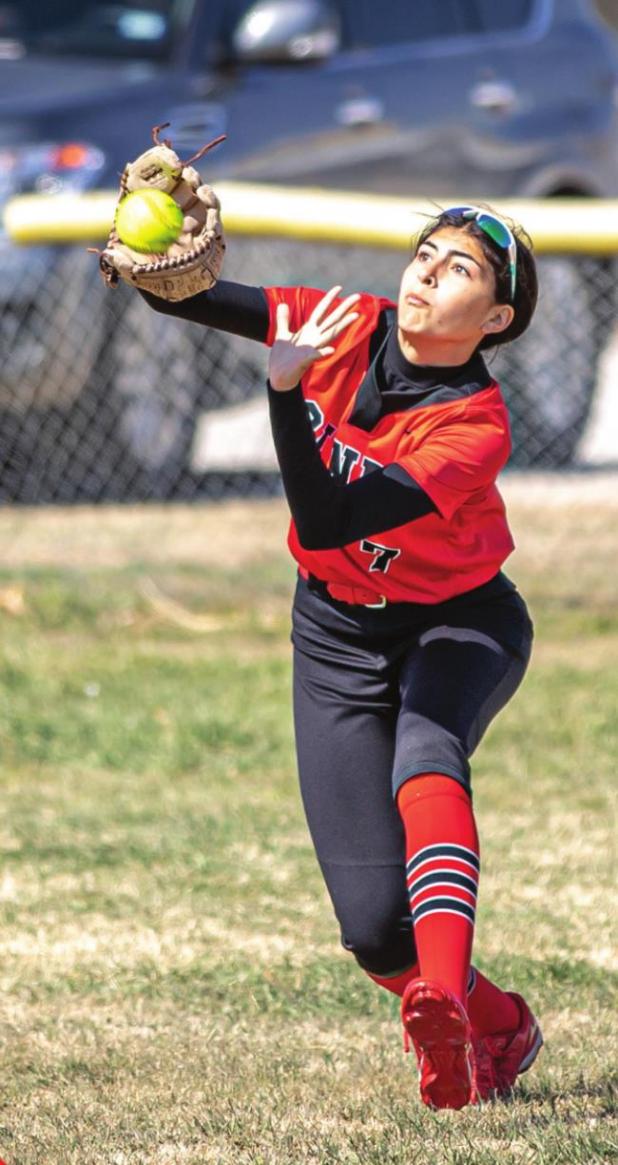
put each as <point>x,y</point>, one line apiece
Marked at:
<point>143,29</point>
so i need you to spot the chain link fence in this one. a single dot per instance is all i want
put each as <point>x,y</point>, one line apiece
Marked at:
<point>102,399</point>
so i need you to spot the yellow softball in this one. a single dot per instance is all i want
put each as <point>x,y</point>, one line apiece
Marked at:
<point>148,220</point>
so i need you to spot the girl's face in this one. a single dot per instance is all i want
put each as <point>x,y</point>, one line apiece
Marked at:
<point>448,292</point>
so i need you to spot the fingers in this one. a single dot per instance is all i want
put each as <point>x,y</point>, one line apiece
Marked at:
<point>322,307</point>
<point>329,324</point>
<point>326,332</point>
<point>329,331</point>
<point>282,331</point>
<point>313,340</point>
<point>342,310</point>
<point>320,314</point>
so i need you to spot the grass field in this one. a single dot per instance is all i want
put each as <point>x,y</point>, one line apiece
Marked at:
<point>172,987</point>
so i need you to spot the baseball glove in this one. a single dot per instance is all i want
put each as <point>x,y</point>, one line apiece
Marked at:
<point>193,262</point>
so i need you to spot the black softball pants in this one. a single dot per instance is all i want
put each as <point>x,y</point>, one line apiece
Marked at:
<point>381,696</point>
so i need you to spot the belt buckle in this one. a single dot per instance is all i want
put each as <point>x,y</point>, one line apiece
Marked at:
<point>377,606</point>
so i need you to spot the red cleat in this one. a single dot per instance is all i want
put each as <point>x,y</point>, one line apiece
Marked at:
<point>502,1058</point>
<point>436,1024</point>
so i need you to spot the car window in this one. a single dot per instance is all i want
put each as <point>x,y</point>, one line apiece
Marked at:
<point>133,28</point>
<point>504,15</point>
<point>367,23</point>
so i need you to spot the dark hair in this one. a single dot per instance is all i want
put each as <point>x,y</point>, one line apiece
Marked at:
<point>526,285</point>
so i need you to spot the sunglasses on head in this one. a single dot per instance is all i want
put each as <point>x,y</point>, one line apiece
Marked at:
<point>496,230</point>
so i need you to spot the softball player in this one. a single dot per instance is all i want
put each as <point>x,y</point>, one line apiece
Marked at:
<point>408,638</point>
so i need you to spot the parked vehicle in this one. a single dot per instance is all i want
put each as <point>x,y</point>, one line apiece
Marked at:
<point>471,98</point>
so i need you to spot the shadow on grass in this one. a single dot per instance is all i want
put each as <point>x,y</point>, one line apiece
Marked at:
<point>544,1102</point>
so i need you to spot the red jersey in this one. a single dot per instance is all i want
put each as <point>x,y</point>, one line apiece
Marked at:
<point>453,448</point>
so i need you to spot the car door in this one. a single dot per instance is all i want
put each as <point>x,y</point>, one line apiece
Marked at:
<point>383,112</point>
<point>416,63</point>
<point>542,105</point>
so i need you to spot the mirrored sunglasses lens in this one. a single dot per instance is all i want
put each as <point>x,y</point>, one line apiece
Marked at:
<point>495,229</point>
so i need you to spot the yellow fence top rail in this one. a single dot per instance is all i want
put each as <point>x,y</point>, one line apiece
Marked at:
<point>557,225</point>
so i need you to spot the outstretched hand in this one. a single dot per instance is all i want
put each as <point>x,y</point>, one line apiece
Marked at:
<point>293,353</point>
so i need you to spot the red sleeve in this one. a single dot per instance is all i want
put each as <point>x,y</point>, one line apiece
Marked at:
<point>300,300</point>
<point>461,457</point>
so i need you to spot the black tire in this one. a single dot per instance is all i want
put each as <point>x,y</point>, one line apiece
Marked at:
<point>50,325</point>
<point>162,374</point>
<point>549,376</point>
<point>51,320</point>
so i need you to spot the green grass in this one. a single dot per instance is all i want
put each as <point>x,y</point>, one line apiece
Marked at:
<point>172,987</point>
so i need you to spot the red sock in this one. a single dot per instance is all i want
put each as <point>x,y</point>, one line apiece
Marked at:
<point>490,1010</point>
<point>395,983</point>
<point>442,861</point>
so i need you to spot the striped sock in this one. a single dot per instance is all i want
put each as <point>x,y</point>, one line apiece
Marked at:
<point>442,868</point>
<point>491,1011</point>
<point>443,879</point>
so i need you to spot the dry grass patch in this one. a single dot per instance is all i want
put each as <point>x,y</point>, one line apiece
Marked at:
<point>172,988</point>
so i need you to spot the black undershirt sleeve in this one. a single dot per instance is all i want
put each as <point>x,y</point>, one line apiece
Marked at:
<point>229,307</point>
<point>329,513</point>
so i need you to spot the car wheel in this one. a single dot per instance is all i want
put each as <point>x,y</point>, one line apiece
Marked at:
<point>549,376</point>
<point>51,326</point>
<point>162,375</point>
